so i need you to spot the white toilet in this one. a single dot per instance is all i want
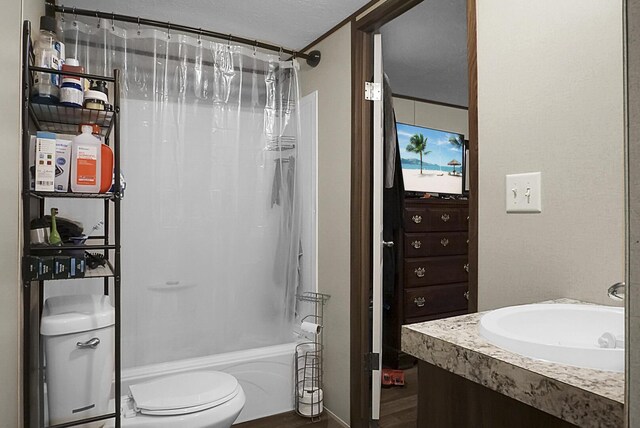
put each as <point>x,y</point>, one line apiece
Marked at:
<point>188,400</point>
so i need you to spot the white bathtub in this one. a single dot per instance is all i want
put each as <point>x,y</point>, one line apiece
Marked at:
<point>266,375</point>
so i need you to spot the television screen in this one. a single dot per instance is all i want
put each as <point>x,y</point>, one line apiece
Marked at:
<point>431,159</point>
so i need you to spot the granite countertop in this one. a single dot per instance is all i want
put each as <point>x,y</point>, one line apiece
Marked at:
<point>584,397</point>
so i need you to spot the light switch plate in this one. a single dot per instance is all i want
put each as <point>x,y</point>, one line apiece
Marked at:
<point>524,193</point>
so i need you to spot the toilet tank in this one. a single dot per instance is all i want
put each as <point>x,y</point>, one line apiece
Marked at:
<point>78,336</point>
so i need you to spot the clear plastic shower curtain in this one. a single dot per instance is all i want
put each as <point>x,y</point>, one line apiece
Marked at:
<point>210,226</point>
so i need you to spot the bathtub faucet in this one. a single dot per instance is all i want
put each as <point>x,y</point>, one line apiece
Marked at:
<point>617,291</point>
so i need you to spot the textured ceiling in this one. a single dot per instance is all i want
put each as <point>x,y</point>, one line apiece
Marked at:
<point>290,23</point>
<point>425,52</point>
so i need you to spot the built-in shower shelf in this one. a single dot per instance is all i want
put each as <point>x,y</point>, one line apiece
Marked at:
<point>313,297</point>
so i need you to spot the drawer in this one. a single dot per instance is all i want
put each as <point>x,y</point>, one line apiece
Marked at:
<point>414,320</point>
<point>435,244</point>
<point>435,270</point>
<point>435,218</point>
<point>438,299</point>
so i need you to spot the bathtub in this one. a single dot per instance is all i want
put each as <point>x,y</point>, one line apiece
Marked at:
<point>266,375</point>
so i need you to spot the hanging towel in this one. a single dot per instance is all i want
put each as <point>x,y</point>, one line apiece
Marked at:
<point>277,184</point>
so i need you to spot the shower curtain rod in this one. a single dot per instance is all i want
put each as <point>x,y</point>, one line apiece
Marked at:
<point>313,57</point>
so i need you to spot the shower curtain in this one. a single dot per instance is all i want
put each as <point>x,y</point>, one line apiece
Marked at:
<point>210,219</point>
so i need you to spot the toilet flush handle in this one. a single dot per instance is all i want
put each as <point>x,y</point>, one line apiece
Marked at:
<point>91,343</point>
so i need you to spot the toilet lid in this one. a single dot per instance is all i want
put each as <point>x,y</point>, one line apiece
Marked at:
<point>184,393</point>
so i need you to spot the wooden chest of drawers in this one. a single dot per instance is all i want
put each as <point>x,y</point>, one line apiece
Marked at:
<point>433,268</point>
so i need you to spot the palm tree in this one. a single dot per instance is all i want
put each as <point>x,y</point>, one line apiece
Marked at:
<point>418,144</point>
<point>456,140</point>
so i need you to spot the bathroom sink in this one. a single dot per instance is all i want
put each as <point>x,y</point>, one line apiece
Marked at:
<point>572,334</point>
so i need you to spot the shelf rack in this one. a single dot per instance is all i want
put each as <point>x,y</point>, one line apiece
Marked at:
<point>65,120</point>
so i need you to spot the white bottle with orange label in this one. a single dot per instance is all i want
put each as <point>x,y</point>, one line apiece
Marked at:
<point>86,161</point>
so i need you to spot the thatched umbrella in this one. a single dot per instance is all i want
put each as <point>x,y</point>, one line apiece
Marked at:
<point>454,163</point>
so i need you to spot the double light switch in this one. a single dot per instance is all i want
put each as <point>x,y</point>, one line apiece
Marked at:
<point>523,193</point>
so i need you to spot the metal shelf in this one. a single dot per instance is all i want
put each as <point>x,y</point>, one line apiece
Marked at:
<point>43,195</point>
<point>65,120</point>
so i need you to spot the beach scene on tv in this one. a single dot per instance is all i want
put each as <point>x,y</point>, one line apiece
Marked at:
<point>431,160</point>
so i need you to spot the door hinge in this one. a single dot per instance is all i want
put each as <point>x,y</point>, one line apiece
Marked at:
<point>372,91</point>
<point>372,361</point>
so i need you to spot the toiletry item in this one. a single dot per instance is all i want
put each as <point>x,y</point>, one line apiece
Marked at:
<point>46,267</point>
<point>61,267</point>
<point>47,55</point>
<point>71,91</point>
<point>77,266</point>
<point>97,98</point>
<point>39,231</point>
<point>63,163</point>
<point>86,161</point>
<point>106,179</point>
<point>45,168</point>
<point>54,236</point>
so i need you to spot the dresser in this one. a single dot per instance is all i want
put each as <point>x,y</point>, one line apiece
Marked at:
<point>432,269</point>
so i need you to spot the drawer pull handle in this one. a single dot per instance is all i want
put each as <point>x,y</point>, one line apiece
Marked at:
<point>416,244</point>
<point>419,301</point>
<point>467,218</point>
<point>466,295</point>
<point>444,242</point>
<point>445,217</point>
<point>417,219</point>
<point>419,272</point>
<point>466,267</point>
<point>467,241</point>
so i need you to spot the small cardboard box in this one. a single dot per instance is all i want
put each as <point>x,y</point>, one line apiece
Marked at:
<point>62,267</point>
<point>45,161</point>
<point>63,163</point>
<point>32,268</point>
<point>76,266</point>
<point>47,267</point>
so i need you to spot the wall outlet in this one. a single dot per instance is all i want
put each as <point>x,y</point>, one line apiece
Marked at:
<point>524,193</point>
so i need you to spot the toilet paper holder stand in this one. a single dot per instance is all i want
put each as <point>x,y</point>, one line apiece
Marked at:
<point>308,392</point>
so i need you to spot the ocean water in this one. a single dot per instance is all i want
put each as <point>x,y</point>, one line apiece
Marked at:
<point>431,167</point>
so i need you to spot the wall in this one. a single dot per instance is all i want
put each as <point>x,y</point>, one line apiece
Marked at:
<point>633,292</point>
<point>10,299</point>
<point>431,115</point>
<point>550,99</point>
<point>332,80</point>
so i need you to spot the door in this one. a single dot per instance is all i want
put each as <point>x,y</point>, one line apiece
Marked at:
<point>378,183</point>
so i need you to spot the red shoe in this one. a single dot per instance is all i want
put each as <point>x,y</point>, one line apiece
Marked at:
<point>387,377</point>
<point>397,377</point>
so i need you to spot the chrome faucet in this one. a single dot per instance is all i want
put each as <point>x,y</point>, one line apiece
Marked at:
<point>617,291</point>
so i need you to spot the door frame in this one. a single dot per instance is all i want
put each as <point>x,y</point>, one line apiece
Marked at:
<point>362,29</point>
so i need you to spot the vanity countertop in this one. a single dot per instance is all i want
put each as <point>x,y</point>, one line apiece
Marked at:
<point>585,397</point>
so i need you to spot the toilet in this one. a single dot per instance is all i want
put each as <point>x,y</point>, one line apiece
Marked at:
<point>206,399</point>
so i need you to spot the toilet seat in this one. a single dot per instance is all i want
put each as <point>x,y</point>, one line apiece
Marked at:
<point>184,393</point>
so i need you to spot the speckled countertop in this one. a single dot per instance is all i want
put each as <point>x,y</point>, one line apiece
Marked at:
<point>585,397</point>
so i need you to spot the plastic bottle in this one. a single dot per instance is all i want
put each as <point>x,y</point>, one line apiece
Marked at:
<point>107,169</point>
<point>86,161</point>
<point>71,93</point>
<point>47,55</point>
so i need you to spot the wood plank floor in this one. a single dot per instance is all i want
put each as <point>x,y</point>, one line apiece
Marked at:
<point>398,409</point>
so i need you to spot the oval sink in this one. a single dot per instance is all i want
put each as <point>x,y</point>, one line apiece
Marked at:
<point>569,334</point>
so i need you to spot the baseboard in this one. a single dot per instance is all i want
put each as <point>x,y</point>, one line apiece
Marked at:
<point>337,419</point>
